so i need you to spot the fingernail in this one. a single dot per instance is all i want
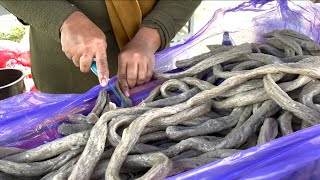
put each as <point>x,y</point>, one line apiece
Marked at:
<point>104,82</point>
<point>127,93</point>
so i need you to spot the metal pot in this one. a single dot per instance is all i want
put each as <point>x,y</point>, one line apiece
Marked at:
<point>11,82</point>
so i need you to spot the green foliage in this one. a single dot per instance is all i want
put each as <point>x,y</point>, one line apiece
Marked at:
<point>15,34</point>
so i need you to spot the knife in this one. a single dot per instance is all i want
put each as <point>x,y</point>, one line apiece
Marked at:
<point>95,71</point>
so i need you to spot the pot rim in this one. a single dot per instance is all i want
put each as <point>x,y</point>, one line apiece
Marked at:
<point>14,82</point>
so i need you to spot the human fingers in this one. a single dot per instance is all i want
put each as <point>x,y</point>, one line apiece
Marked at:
<point>150,69</point>
<point>122,77</point>
<point>85,62</point>
<point>132,73</point>
<point>102,65</point>
<point>76,60</point>
<point>142,72</point>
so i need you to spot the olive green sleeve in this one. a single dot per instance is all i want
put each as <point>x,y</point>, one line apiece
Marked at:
<point>46,15</point>
<point>169,17</point>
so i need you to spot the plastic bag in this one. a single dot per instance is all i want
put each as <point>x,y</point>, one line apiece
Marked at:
<point>17,55</point>
<point>12,50</point>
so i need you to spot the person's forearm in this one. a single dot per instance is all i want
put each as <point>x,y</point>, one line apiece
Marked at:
<point>45,15</point>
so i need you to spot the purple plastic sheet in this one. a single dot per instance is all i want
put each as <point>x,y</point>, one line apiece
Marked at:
<point>24,117</point>
<point>295,157</point>
<point>31,119</point>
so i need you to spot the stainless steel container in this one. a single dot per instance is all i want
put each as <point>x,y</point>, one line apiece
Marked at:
<point>11,82</point>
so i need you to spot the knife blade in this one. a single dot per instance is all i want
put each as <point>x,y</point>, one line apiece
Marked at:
<point>95,71</point>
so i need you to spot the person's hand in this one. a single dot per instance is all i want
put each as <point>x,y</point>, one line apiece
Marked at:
<point>82,41</point>
<point>136,59</point>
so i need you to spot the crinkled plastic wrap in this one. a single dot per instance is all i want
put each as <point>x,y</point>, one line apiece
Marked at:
<point>30,119</point>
